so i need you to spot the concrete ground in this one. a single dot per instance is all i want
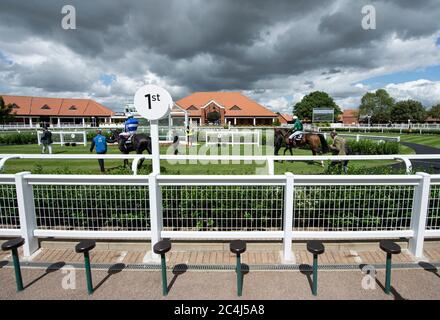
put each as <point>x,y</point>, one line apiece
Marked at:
<point>266,285</point>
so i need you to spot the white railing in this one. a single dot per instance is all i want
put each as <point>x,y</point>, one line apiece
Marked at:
<point>232,137</point>
<point>62,137</point>
<point>286,207</point>
<point>269,160</point>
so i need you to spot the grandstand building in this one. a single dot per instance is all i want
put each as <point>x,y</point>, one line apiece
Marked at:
<point>37,111</point>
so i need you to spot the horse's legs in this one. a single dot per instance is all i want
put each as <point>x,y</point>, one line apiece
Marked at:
<point>314,153</point>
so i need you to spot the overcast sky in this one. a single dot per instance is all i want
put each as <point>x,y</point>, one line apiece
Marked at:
<point>273,51</point>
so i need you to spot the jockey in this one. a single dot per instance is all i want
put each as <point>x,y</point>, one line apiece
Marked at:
<point>131,126</point>
<point>297,129</point>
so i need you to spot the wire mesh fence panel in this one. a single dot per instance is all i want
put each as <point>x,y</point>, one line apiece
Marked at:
<point>92,207</point>
<point>433,218</point>
<point>352,208</point>
<point>9,216</point>
<point>223,208</point>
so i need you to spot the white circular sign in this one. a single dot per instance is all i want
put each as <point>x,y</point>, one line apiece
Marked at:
<point>72,135</point>
<point>152,102</point>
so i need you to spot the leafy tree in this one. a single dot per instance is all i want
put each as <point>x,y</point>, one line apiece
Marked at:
<point>5,112</point>
<point>435,111</point>
<point>377,105</point>
<point>316,99</point>
<point>406,110</point>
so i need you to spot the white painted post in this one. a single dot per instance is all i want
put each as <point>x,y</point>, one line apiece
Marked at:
<point>26,210</point>
<point>38,138</point>
<point>156,222</point>
<point>288,257</point>
<point>357,138</point>
<point>419,214</point>
<point>255,122</point>
<point>61,138</point>
<point>30,122</point>
<point>270,166</point>
<point>155,150</point>
<point>85,138</point>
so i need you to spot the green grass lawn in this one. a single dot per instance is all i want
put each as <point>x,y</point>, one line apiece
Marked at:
<point>116,166</point>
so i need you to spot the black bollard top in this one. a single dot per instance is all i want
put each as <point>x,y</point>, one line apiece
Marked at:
<point>389,247</point>
<point>85,246</point>
<point>162,247</point>
<point>237,246</point>
<point>13,244</point>
<point>315,247</point>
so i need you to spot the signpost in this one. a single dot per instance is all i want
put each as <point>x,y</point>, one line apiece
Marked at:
<point>323,115</point>
<point>153,103</point>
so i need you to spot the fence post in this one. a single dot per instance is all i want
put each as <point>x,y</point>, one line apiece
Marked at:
<point>156,223</point>
<point>85,138</point>
<point>288,257</point>
<point>419,214</point>
<point>270,166</point>
<point>26,210</point>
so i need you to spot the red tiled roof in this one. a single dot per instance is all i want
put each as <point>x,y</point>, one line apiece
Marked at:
<point>248,107</point>
<point>285,117</point>
<point>32,106</point>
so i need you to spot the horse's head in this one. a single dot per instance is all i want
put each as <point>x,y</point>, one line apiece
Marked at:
<point>114,135</point>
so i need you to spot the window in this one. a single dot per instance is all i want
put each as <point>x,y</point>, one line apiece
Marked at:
<point>72,108</point>
<point>192,108</point>
<point>235,107</point>
<point>45,107</point>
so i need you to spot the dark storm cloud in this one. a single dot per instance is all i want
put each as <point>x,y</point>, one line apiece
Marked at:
<point>209,45</point>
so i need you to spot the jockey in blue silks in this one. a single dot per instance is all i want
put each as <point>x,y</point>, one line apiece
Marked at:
<point>131,125</point>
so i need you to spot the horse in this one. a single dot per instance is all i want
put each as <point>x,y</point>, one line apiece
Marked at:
<point>313,140</point>
<point>139,143</point>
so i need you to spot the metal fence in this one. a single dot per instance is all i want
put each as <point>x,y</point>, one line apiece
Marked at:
<point>9,217</point>
<point>283,207</point>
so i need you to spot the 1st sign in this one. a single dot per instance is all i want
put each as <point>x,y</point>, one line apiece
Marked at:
<point>152,102</point>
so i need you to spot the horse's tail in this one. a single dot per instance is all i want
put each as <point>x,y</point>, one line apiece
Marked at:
<point>324,143</point>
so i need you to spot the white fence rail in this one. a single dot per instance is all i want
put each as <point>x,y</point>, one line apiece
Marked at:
<point>284,207</point>
<point>62,137</point>
<point>269,160</point>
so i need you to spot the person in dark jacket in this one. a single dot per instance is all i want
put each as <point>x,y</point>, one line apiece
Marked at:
<point>99,143</point>
<point>46,141</point>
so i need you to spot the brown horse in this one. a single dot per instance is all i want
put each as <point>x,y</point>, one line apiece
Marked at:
<point>315,141</point>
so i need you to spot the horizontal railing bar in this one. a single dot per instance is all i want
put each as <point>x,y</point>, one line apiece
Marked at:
<point>86,234</point>
<point>221,180</point>
<point>10,232</point>
<point>66,179</point>
<point>223,234</point>
<point>432,233</point>
<point>297,235</point>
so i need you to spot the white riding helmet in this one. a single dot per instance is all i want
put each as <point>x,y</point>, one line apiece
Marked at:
<point>294,117</point>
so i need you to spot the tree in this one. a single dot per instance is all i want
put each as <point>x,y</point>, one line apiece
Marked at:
<point>316,99</point>
<point>435,111</point>
<point>5,112</point>
<point>406,110</point>
<point>377,105</point>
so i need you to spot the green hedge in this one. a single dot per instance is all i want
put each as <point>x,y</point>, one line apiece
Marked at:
<point>18,138</point>
<point>368,147</point>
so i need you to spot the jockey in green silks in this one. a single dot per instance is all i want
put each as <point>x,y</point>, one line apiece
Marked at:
<point>297,129</point>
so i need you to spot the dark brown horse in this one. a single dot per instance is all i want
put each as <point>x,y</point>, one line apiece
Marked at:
<point>139,143</point>
<point>315,141</point>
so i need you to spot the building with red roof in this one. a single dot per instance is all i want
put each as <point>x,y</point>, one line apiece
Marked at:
<point>58,111</point>
<point>220,108</point>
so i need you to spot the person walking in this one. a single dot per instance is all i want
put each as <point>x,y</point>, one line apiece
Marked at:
<point>339,147</point>
<point>46,140</point>
<point>175,142</point>
<point>189,136</point>
<point>99,143</point>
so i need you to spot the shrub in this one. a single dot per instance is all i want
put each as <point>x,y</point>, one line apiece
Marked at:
<point>369,147</point>
<point>18,138</point>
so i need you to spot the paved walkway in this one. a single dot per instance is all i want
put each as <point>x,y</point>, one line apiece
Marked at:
<point>121,281</point>
<point>142,284</point>
<point>432,166</point>
<point>204,257</point>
